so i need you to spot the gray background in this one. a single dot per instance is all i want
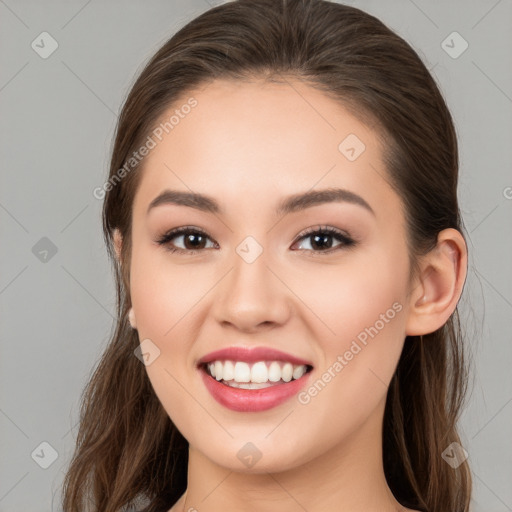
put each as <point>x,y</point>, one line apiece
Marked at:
<point>57,122</point>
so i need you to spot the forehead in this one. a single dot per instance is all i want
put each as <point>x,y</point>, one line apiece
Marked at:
<point>247,142</point>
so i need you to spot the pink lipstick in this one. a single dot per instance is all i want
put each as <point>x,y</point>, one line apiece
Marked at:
<point>274,378</point>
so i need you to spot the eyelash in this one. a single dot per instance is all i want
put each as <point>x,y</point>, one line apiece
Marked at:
<point>347,241</point>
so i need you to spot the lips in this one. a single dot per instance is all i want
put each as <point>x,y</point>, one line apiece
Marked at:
<point>253,400</point>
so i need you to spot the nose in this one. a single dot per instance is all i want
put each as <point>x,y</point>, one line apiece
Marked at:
<point>252,296</point>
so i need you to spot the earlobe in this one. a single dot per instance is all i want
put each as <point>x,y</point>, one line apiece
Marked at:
<point>131,318</point>
<point>117,243</point>
<point>440,284</point>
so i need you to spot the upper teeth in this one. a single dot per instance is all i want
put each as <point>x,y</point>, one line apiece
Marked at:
<point>240,371</point>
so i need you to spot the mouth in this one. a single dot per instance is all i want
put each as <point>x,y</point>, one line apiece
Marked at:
<point>253,380</point>
<point>255,375</point>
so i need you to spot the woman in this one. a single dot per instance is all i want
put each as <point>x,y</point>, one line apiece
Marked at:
<point>282,216</point>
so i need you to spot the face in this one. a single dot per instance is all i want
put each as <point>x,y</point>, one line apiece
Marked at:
<point>322,280</point>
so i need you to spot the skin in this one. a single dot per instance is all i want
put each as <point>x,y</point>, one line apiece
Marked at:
<point>249,145</point>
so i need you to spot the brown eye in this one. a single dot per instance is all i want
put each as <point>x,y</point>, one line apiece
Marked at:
<point>192,240</point>
<point>321,240</point>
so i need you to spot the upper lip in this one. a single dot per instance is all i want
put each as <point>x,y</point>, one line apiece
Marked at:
<point>251,355</point>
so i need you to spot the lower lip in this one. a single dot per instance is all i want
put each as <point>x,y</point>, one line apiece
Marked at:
<point>252,400</point>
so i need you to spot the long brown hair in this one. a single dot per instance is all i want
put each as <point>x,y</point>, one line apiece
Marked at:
<point>127,446</point>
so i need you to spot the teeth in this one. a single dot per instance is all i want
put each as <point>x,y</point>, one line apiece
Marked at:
<point>228,372</point>
<point>218,370</point>
<point>259,375</point>
<point>274,372</point>
<point>242,372</point>
<point>249,385</point>
<point>298,371</point>
<point>259,372</point>
<point>287,372</point>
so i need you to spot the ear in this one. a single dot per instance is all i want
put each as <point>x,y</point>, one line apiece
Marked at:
<point>118,242</point>
<point>439,286</point>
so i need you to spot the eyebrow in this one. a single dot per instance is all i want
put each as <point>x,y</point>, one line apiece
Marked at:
<point>290,204</point>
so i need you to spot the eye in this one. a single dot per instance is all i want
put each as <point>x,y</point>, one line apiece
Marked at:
<point>321,237</point>
<point>193,239</point>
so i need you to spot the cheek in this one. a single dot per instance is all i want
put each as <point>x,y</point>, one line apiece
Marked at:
<point>163,297</point>
<point>164,294</point>
<point>362,331</point>
<point>359,320</point>
<point>346,299</point>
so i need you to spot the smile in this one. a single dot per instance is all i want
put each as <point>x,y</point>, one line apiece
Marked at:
<point>251,396</point>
